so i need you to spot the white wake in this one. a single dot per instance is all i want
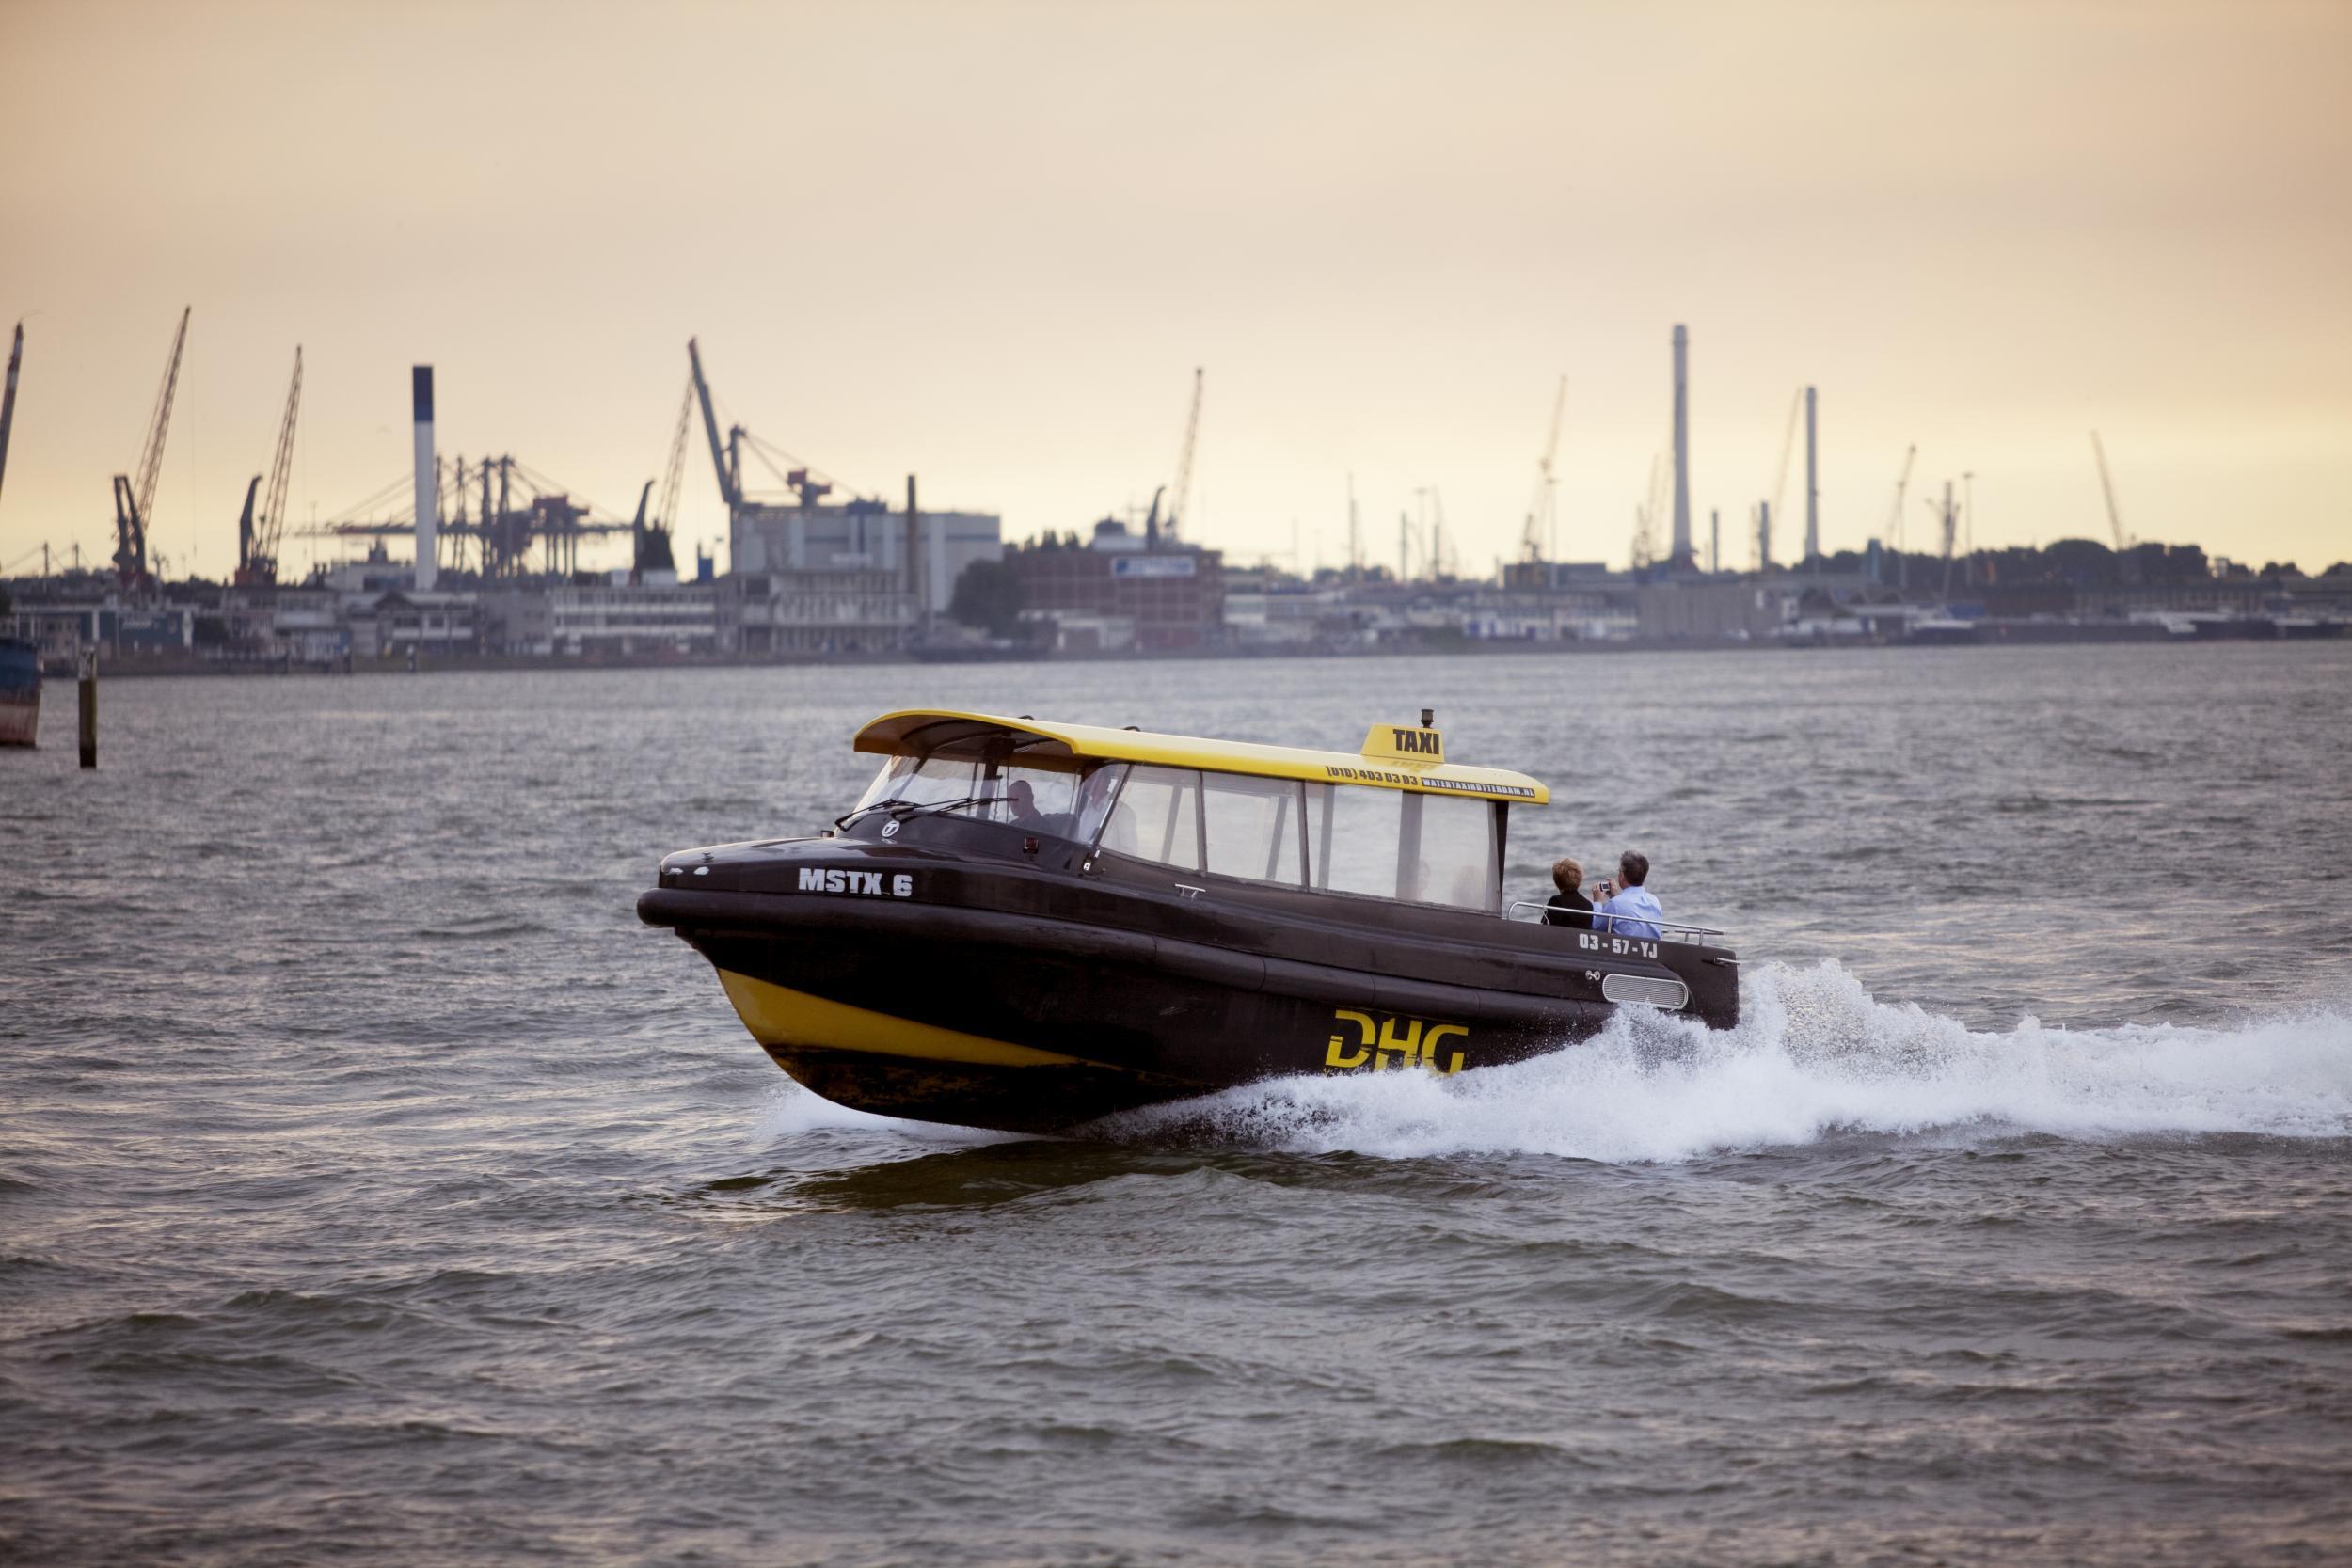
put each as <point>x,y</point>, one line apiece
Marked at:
<point>1814,1056</point>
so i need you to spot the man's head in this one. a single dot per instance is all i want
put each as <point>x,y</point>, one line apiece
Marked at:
<point>1567,874</point>
<point>1022,797</point>
<point>1632,866</point>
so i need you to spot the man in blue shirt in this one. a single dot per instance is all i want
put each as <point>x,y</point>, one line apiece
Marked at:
<point>1627,909</point>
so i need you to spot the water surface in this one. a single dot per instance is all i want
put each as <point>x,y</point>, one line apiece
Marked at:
<point>375,1188</point>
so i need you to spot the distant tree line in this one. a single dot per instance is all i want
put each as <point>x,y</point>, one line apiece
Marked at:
<point>988,597</point>
<point>1049,540</point>
<point>2069,564</point>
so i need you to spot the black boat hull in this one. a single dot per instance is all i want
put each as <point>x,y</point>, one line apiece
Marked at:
<point>1028,997</point>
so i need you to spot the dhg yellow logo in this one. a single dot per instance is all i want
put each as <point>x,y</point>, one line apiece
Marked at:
<point>1411,1041</point>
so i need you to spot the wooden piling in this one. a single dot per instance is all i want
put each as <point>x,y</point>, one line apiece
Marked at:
<point>89,707</point>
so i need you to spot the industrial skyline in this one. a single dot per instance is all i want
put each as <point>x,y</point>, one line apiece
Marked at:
<point>960,246</point>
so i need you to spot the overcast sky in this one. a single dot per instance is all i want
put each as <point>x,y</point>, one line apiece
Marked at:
<point>987,242</point>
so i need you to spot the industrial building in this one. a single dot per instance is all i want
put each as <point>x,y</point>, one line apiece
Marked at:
<point>811,576</point>
<point>852,611</point>
<point>814,576</point>
<point>1170,595</point>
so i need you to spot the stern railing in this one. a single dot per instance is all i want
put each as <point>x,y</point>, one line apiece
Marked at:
<point>1665,928</point>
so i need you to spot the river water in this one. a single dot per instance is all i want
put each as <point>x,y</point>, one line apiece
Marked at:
<point>375,1189</point>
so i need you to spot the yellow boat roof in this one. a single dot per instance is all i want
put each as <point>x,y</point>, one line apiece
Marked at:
<point>1398,756</point>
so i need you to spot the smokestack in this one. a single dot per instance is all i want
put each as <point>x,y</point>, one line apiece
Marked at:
<point>1682,445</point>
<point>1812,487</point>
<point>1763,534</point>
<point>1715,539</point>
<point>428,481</point>
<point>917,579</point>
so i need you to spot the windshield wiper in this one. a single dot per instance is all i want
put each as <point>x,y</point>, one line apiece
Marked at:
<point>926,807</point>
<point>841,823</point>
<point>904,809</point>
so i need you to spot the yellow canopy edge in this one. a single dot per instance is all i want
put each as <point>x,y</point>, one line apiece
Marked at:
<point>932,732</point>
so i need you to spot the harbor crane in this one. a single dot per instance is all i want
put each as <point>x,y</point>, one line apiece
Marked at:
<point>1645,516</point>
<point>7,399</point>
<point>1895,517</point>
<point>1788,445</point>
<point>1180,503</point>
<point>1354,534</point>
<point>1948,516</point>
<point>1902,483</point>
<point>730,476</point>
<point>134,502</point>
<point>1541,511</point>
<point>258,532</point>
<point>673,476</point>
<point>545,514</point>
<point>807,485</point>
<point>2107,485</point>
<point>650,536</point>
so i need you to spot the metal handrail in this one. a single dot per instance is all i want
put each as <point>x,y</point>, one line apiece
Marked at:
<point>1664,925</point>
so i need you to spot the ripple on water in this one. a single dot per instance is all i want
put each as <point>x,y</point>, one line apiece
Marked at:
<point>377,1190</point>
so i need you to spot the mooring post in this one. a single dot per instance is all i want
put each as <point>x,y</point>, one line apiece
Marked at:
<point>90,706</point>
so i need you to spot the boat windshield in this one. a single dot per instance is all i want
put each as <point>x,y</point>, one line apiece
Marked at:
<point>1068,801</point>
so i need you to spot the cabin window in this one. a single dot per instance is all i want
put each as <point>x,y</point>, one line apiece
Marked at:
<point>1095,792</point>
<point>1252,826</point>
<point>1157,817</point>
<point>1353,833</point>
<point>919,782</point>
<point>1393,844</point>
<point>1451,854</point>
<point>1040,799</point>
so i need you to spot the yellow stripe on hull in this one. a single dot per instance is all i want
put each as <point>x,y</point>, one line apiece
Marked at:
<point>780,1016</point>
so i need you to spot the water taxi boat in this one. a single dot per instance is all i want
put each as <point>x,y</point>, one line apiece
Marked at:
<point>1029,925</point>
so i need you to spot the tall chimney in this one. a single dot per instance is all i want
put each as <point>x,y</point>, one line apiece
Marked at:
<point>1812,487</point>
<point>428,480</point>
<point>1682,445</point>
<point>1763,534</point>
<point>1715,539</point>
<point>917,579</point>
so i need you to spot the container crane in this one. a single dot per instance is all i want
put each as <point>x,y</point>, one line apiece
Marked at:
<point>727,458</point>
<point>7,399</point>
<point>1788,447</point>
<point>2115,518</point>
<point>1354,534</point>
<point>1646,515</point>
<point>1895,518</point>
<point>1902,483</point>
<point>1540,511</point>
<point>258,532</point>
<point>1947,517</point>
<point>673,477</point>
<point>650,535</point>
<point>807,485</point>
<point>1179,502</point>
<point>134,503</point>
<point>650,541</point>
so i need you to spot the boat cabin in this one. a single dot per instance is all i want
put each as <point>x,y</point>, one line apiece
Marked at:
<point>1393,821</point>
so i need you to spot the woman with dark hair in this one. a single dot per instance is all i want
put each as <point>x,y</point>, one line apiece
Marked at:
<point>1568,906</point>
